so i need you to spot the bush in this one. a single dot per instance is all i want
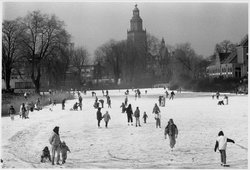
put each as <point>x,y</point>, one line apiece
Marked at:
<point>16,100</point>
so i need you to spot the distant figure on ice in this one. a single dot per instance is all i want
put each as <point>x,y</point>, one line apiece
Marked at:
<point>166,93</point>
<point>158,119</point>
<point>23,111</point>
<point>172,95</point>
<point>106,118</point>
<point>55,142</point>
<point>145,116</point>
<point>156,109</point>
<point>126,101</point>
<point>64,149</point>
<point>123,107</point>
<point>226,98</point>
<point>146,91</point>
<point>221,102</point>
<point>172,132</point>
<point>102,92</point>
<point>80,101</point>
<point>12,112</point>
<point>75,106</point>
<point>93,94</point>
<point>221,144</point>
<point>217,95</point>
<point>45,154</point>
<point>109,102</point>
<point>107,92</point>
<point>137,117</point>
<point>135,94</point>
<point>129,114</point>
<point>159,100</point>
<point>63,104</point>
<point>99,116</point>
<point>139,93</point>
<point>212,96</point>
<point>102,102</point>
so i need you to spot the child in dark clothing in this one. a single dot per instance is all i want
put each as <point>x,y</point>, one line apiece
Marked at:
<point>45,154</point>
<point>64,148</point>
<point>145,116</point>
<point>221,145</point>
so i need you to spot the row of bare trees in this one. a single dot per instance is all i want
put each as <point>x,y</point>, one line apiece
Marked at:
<point>42,42</point>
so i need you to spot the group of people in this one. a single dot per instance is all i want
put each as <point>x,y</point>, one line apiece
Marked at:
<point>57,148</point>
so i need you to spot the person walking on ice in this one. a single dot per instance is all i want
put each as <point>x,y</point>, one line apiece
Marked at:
<point>137,117</point>
<point>221,145</point>
<point>64,149</point>
<point>145,116</point>
<point>129,112</point>
<point>99,116</point>
<point>172,131</point>
<point>55,142</point>
<point>106,118</point>
<point>172,95</point>
<point>158,119</point>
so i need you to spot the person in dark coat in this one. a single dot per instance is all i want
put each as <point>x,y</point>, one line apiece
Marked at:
<point>63,104</point>
<point>145,116</point>
<point>172,95</point>
<point>129,112</point>
<point>123,107</point>
<point>12,112</point>
<point>99,116</point>
<point>80,102</point>
<point>172,132</point>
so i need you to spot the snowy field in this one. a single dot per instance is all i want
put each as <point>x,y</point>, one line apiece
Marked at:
<point>197,116</point>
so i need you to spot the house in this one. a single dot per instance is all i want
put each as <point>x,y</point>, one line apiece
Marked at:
<point>234,64</point>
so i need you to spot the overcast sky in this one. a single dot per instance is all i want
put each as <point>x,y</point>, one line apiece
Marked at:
<point>93,23</point>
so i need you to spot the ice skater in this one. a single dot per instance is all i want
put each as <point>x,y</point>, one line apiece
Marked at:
<point>172,131</point>
<point>156,109</point>
<point>145,116</point>
<point>99,116</point>
<point>226,98</point>
<point>63,103</point>
<point>123,107</point>
<point>221,145</point>
<point>158,119</point>
<point>109,102</point>
<point>126,101</point>
<point>80,101</point>
<point>102,102</point>
<point>129,114</point>
<point>137,117</point>
<point>172,95</point>
<point>106,118</point>
<point>64,149</point>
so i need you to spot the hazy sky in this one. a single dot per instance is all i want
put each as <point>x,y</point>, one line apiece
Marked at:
<point>93,23</point>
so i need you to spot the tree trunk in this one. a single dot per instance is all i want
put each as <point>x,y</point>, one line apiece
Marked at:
<point>7,77</point>
<point>36,79</point>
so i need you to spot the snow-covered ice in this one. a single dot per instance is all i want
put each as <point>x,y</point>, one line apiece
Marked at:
<point>197,116</point>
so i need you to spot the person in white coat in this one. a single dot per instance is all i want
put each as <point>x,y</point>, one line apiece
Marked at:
<point>55,142</point>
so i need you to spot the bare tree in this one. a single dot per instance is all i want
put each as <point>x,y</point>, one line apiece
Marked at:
<point>42,35</point>
<point>78,59</point>
<point>225,46</point>
<point>10,47</point>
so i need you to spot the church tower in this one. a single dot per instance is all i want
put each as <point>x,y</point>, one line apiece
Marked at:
<point>136,35</point>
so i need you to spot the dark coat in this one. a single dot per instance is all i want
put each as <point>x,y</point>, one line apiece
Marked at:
<point>99,115</point>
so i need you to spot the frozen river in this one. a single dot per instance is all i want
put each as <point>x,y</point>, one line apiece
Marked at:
<point>197,116</point>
